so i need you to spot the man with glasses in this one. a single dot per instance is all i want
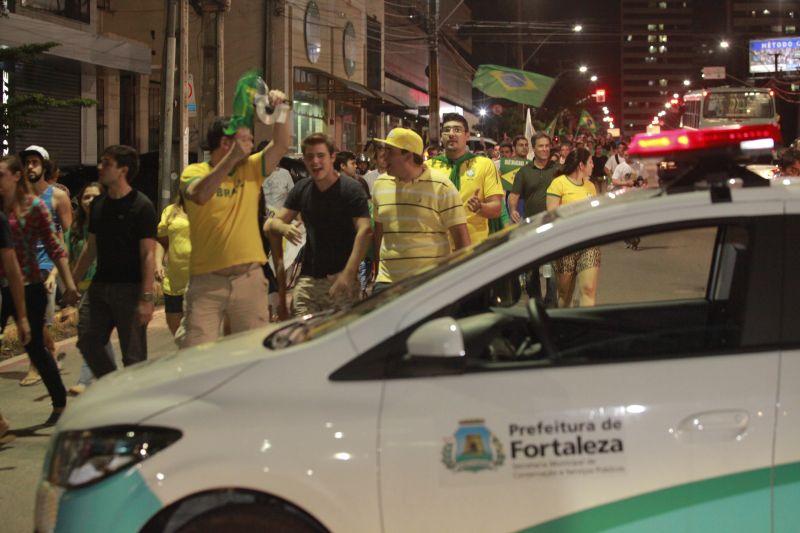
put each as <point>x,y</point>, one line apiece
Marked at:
<point>475,177</point>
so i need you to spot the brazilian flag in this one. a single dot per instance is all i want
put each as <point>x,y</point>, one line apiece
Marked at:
<point>509,166</point>
<point>244,96</point>
<point>512,84</point>
<point>587,122</point>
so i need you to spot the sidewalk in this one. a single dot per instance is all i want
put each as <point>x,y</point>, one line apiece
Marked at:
<point>22,450</point>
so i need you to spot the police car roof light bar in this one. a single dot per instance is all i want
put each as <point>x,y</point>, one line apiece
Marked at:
<point>673,142</point>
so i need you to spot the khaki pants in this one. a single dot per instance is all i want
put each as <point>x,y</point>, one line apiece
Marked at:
<point>311,296</point>
<point>242,297</point>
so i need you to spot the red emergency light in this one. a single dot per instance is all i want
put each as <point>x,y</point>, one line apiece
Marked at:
<point>745,137</point>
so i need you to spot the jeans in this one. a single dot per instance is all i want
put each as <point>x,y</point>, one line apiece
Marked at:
<point>86,377</point>
<point>104,307</point>
<point>41,358</point>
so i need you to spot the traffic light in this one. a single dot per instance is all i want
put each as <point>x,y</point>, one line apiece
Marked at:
<point>599,96</point>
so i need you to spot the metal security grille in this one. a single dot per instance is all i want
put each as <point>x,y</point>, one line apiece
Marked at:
<point>59,130</point>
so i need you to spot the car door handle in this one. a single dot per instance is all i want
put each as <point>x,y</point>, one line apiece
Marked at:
<point>713,426</point>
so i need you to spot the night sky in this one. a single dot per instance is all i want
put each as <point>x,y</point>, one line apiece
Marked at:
<point>597,46</point>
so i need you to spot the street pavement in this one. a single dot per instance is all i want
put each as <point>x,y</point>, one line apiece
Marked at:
<point>22,450</point>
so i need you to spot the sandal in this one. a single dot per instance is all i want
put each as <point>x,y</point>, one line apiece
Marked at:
<point>31,378</point>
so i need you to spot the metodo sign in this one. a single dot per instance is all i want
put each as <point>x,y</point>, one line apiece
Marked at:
<point>764,53</point>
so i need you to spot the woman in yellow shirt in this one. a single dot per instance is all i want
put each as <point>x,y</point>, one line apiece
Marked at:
<point>582,266</point>
<point>173,235</point>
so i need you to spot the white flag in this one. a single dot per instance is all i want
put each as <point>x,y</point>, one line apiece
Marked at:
<point>529,132</point>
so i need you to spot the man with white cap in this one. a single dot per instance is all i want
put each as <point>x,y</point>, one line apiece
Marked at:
<point>40,170</point>
<point>416,208</point>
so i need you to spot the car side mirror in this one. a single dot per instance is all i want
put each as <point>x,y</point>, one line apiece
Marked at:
<point>441,337</point>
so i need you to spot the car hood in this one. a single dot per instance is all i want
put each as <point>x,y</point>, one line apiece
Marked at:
<point>133,394</point>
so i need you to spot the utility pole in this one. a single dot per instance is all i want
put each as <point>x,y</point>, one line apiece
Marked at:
<point>183,81</point>
<point>220,62</point>
<point>520,58</point>
<point>167,101</point>
<point>433,72</point>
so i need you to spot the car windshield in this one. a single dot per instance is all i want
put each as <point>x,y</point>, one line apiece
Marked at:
<point>315,325</point>
<point>738,105</point>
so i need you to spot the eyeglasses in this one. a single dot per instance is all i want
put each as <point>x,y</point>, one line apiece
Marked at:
<point>453,129</point>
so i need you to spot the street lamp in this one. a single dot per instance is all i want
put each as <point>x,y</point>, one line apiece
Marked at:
<point>582,69</point>
<point>724,44</point>
<point>593,78</point>
<point>686,83</point>
<point>577,28</point>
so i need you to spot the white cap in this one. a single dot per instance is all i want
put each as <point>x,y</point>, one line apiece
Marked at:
<point>33,149</point>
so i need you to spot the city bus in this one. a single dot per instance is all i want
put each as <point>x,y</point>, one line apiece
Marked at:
<point>725,106</point>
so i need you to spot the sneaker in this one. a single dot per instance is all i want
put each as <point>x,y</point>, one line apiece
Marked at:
<point>77,390</point>
<point>31,378</point>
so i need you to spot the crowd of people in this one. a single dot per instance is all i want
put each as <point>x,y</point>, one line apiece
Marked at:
<point>245,243</point>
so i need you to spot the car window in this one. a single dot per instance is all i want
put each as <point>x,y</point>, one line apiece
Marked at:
<point>695,290</point>
<point>651,295</point>
<point>673,265</point>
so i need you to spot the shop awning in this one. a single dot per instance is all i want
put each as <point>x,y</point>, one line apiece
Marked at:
<point>389,99</point>
<point>326,84</point>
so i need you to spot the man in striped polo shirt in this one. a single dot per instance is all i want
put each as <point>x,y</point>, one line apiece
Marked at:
<point>416,209</point>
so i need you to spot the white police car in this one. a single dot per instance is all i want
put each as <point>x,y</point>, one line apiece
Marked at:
<point>451,402</point>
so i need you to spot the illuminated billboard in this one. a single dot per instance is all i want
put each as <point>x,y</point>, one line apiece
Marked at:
<point>764,52</point>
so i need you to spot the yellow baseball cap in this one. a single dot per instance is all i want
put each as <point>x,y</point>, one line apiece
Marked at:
<point>404,139</point>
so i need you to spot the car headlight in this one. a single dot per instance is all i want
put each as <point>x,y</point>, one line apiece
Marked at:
<point>80,458</point>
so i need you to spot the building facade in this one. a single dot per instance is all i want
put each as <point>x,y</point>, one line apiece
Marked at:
<point>85,55</point>
<point>658,53</point>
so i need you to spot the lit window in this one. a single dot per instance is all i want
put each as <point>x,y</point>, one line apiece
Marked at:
<point>652,49</point>
<point>650,83</point>
<point>661,27</point>
<point>629,38</point>
<point>663,5</point>
<point>662,49</point>
<point>662,82</point>
<point>651,27</point>
<point>649,59</point>
<point>651,38</point>
<point>662,38</point>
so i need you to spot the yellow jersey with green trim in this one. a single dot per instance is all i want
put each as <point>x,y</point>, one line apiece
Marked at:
<point>477,174</point>
<point>225,230</point>
<point>568,192</point>
<point>415,217</point>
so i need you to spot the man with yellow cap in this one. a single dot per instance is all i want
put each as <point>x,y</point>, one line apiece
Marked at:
<point>416,209</point>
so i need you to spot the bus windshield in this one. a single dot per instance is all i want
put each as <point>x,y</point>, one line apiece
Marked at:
<point>738,105</point>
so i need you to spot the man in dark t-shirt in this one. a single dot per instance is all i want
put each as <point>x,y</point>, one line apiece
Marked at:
<point>122,233</point>
<point>532,180</point>
<point>338,232</point>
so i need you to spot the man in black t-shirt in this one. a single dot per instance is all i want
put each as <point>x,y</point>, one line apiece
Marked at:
<point>338,232</point>
<point>122,233</point>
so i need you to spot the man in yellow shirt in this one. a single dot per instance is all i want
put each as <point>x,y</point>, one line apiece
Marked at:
<point>474,176</point>
<point>222,196</point>
<point>415,210</point>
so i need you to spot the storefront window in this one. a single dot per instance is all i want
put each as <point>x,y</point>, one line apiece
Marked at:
<point>309,117</point>
<point>347,118</point>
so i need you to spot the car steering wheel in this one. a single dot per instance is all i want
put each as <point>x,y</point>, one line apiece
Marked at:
<point>538,320</point>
